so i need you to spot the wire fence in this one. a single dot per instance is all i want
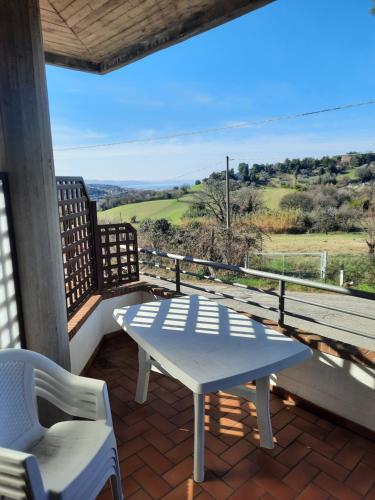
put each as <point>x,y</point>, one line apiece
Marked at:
<point>337,269</point>
<point>306,265</point>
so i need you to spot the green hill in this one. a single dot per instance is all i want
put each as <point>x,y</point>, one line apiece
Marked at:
<point>173,210</point>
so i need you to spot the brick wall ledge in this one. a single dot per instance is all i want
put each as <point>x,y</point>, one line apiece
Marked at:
<point>81,315</point>
<point>359,356</point>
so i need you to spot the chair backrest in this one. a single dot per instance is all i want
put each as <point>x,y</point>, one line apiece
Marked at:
<point>19,424</point>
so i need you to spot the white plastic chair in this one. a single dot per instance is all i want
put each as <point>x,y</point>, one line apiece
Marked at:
<point>70,460</point>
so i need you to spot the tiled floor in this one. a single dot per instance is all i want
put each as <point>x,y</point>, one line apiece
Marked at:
<point>313,459</point>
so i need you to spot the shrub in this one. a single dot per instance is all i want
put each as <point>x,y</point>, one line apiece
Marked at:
<point>325,220</point>
<point>155,233</point>
<point>366,173</point>
<point>297,200</point>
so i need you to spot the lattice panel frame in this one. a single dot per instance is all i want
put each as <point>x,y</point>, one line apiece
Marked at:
<point>12,333</point>
<point>118,254</point>
<point>77,239</point>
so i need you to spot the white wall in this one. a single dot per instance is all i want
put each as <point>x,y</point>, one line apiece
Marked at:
<point>98,324</point>
<point>9,327</point>
<point>335,384</point>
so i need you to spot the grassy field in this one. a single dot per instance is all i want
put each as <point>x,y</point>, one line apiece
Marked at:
<point>336,243</point>
<point>173,210</point>
<point>273,195</point>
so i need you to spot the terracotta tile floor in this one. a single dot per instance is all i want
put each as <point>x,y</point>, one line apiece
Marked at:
<point>313,459</point>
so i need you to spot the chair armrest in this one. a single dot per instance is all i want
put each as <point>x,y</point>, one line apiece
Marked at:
<point>19,475</point>
<point>78,396</point>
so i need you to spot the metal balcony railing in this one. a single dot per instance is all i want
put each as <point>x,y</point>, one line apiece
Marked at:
<point>281,295</point>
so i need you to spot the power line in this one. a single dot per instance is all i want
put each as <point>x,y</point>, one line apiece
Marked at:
<point>220,129</point>
<point>197,170</point>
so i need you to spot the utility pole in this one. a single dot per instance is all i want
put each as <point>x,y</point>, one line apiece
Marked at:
<point>227,194</point>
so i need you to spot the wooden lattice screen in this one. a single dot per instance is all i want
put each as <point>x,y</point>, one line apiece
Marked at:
<point>77,238</point>
<point>118,252</point>
<point>95,257</point>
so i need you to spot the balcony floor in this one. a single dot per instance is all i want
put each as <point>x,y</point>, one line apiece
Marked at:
<point>313,458</point>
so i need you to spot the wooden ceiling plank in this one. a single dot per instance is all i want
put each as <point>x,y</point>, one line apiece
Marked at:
<point>61,32</point>
<point>67,54</point>
<point>67,51</point>
<point>69,42</point>
<point>124,37</point>
<point>60,5</point>
<point>104,15</point>
<point>73,8</point>
<point>118,20</point>
<point>51,16</point>
<point>58,29</point>
<point>46,5</point>
<point>77,17</point>
<point>62,49</point>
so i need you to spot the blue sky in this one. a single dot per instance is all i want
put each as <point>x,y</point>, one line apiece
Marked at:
<point>289,57</point>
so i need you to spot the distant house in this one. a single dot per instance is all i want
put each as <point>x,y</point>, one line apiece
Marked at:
<point>346,159</point>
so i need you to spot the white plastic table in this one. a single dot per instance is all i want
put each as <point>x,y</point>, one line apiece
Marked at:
<point>208,347</point>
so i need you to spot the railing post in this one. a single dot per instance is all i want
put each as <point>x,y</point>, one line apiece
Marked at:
<point>280,320</point>
<point>178,278</point>
<point>323,266</point>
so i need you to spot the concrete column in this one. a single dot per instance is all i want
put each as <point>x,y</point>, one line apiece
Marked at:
<point>26,154</point>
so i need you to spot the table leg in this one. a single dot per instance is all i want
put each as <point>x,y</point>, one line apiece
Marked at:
<point>143,375</point>
<point>198,437</point>
<point>263,412</point>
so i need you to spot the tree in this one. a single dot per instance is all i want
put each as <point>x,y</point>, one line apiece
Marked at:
<point>221,176</point>
<point>210,240</point>
<point>373,9</point>
<point>243,172</point>
<point>212,197</point>
<point>248,200</point>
